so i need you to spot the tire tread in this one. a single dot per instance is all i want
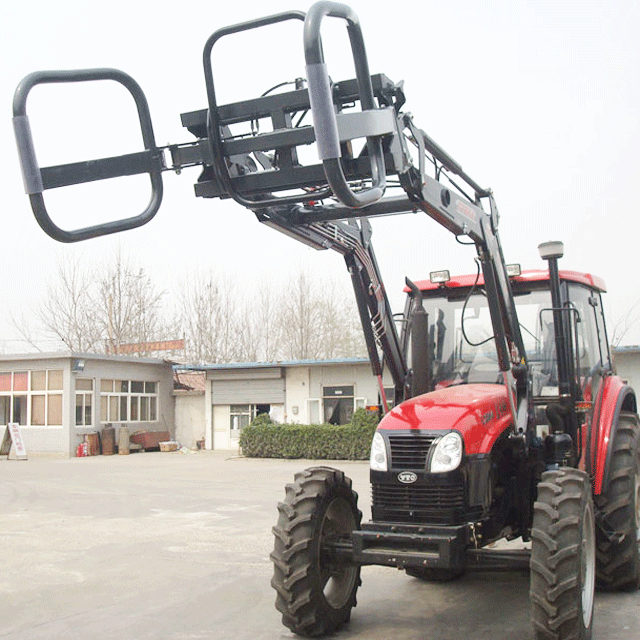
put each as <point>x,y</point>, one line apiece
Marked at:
<point>563,496</point>
<point>617,551</point>
<point>299,599</point>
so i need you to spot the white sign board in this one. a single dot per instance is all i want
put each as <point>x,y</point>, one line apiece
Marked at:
<point>12,434</point>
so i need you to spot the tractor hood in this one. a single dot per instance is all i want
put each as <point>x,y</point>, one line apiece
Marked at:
<point>478,412</point>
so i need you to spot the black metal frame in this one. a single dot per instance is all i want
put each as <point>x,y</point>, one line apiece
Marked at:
<point>411,546</point>
<point>255,189</point>
<point>37,180</point>
<point>330,209</point>
<point>324,117</point>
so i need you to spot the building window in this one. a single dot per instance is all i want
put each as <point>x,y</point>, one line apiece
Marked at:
<point>243,414</point>
<point>390,393</point>
<point>54,409</point>
<point>128,401</point>
<point>54,380</point>
<point>31,398</point>
<point>338,404</point>
<point>84,402</point>
<point>5,410</point>
<point>313,410</point>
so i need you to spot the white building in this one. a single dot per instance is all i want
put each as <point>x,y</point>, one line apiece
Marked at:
<point>304,392</point>
<point>626,361</point>
<point>58,398</point>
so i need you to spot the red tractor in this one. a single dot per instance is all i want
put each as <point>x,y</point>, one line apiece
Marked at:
<point>452,472</point>
<point>509,421</point>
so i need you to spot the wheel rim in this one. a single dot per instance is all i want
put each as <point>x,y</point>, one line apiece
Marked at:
<point>337,579</point>
<point>588,566</point>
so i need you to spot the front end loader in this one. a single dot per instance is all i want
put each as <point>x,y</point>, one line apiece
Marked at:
<point>509,422</point>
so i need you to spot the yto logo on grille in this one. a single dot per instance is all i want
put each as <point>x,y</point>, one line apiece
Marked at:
<point>407,477</point>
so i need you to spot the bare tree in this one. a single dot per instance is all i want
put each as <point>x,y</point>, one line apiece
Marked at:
<point>319,320</point>
<point>624,323</point>
<point>259,330</point>
<point>207,317</point>
<point>267,317</point>
<point>117,304</point>
<point>98,309</point>
<point>340,328</point>
<point>66,315</point>
<point>304,318</point>
<point>128,306</point>
<point>301,318</point>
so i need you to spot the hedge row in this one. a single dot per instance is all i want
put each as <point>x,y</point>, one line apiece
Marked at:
<point>263,439</point>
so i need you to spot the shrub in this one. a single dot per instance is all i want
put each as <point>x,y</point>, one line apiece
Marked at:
<point>263,439</point>
<point>363,418</point>
<point>262,419</point>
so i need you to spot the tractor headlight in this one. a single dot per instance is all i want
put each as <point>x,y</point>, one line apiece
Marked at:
<point>447,454</point>
<point>378,460</point>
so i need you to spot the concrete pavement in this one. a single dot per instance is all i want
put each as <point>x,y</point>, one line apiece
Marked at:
<point>176,546</point>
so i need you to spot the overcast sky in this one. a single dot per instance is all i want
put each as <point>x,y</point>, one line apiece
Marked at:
<point>539,100</point>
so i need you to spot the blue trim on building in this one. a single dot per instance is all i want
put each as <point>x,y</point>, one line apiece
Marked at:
<point>266,365</point>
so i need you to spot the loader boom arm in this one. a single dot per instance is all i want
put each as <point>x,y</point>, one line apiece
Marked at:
<point>326,205</point>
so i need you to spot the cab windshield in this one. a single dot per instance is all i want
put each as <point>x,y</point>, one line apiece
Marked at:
<point>463,348</point>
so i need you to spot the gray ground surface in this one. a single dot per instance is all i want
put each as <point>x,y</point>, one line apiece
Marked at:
<point>176,546</point>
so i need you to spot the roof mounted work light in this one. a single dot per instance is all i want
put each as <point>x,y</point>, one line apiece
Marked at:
<point>440,277</point>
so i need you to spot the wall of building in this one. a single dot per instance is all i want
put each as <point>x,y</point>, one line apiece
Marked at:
<point>41,439</point>
<point>627,365</point>
<point>298,397</point>
<point>357,375</point>
<point>297,392</point>
<point>190,420</point>
<point>83,375</point>
<point>116,369</point>
<point>53,438</point>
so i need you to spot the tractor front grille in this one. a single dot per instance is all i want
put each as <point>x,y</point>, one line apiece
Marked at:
<point>440,501</point>
<point>409,451</point>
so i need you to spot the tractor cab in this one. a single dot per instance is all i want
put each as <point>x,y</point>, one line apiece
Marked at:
<point>459,346</point>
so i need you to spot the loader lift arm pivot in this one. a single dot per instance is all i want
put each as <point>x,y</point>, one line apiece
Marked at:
<point>326,205</point>
<point>353,241</point>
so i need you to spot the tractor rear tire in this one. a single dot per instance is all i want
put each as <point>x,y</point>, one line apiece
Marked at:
<point>563,557</point>
<point>315,593</point>
<point>618,530</point>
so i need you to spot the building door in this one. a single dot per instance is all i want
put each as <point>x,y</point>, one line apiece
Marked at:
<point>247,394</point>
<point>241,416</point>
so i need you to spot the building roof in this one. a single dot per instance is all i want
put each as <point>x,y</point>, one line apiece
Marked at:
<point>632,348</point>
<point>189,382</point>
<point>67,355</point>
<point>180,370</point>
<point>279,363</point>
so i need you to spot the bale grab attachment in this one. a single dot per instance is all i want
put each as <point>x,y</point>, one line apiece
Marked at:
<point>325,204</point>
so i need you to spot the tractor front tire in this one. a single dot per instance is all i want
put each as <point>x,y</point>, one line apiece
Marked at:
<point>563,557</point>
<point>315,592</point>
<point>618,524</point>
